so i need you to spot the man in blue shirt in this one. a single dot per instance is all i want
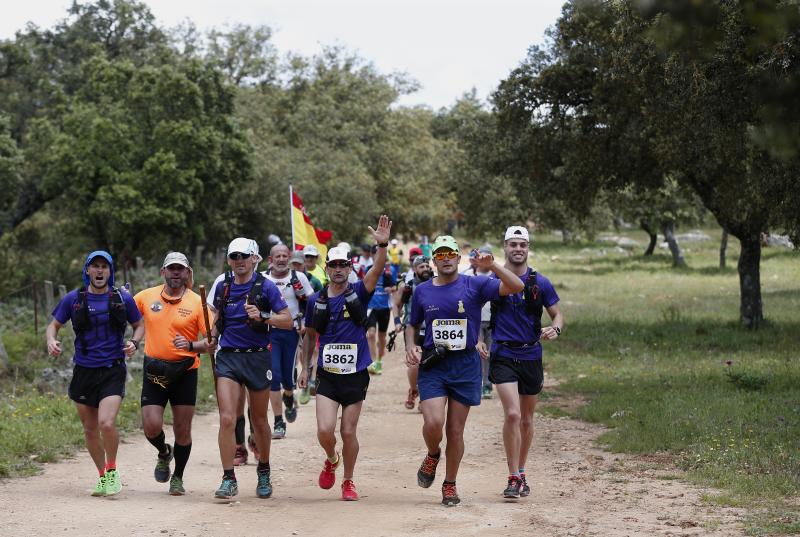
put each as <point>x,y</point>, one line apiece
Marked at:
<point>245,303</point>
<point>100,314</point>
<point>378,318</point>
<point>449,378</point>
<point>516,353</point>
<point>337,315</point>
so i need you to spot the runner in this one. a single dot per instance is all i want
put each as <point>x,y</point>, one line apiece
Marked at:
<point>516,362</point>
<point>378,318</point>
<point>246,304</point>
<point>311,258</point>
<point>420,272</point>
<point>298,263</point>
<point>395,255</point>
<point>100,313</point>
<point>338,316</point>
<point>485,333</point>
<point>296,290</point>
<point>173,321</point>
<point>450,373</point>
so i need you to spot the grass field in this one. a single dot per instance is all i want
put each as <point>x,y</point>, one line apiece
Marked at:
<point>662,360</point>
<point>657,353</point>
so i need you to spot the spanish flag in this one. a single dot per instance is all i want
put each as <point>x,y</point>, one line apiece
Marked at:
<point>303,231</point>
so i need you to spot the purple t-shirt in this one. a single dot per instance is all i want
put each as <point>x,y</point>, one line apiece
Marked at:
<point>340,329</point>
<point>100,345</point>
<point>461,299</point>
<point>237,333</point>
<point>514,323</point>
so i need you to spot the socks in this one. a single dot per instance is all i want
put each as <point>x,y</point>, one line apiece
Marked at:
<point>334,461</point>
<point>158,443</point>
<point>181,458</point>
<point>239,430</point>
<point>110,465</point>
<point>278,419</point>
<point>229,474</point>
<point>263,467</point>
<point>438,454</point>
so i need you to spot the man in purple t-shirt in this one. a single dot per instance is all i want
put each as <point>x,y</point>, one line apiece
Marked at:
<point>516,354</point>
<point>100,314</point>
<point>449,378</point>
<point>243,314</point>
<point>338,316</point>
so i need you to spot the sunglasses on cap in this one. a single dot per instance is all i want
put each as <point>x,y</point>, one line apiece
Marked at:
<point>338,264</point>
<point>238,255</point>
<point>450,254</point>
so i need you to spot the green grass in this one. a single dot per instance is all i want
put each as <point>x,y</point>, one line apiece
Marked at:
<point>662,360</point>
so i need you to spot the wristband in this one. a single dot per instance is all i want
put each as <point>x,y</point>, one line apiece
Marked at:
<point>558,330</point>
<point>191,346</point>
<point>135,343</point>
<point>383,244</point>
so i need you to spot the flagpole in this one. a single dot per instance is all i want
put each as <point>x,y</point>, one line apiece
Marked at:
<point>291,214</point>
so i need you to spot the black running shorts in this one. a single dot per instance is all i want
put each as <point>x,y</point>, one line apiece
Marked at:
<point>178,392</point>
<point>90,385</point>
<point>528,374</point>
<point>379,318</point>
<point>344,389</point>
<point>253,369</point>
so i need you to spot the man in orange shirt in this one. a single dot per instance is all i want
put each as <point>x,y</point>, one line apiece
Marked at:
<point>173,321</point>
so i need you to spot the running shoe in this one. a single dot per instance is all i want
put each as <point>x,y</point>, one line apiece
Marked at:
<point>240,455</point>
<point>279,431</point>
<point>305,396</point>
<point>162,472</point>
<point>487,392</point>
<point>513,488</point>
<point>327,477</point>
<point>228,489</point>
<point>312,387</point>
<point>176,486</point>
<point>450,495</point>
<point>411,399</point>
<point>113,483</point>
<point>291,408</point>
<point>349,493</point>
<point>264,486</point>
<point>375,368</point>
<point>427,471</point>
<point>100,487</point>
<point>251,443</point>
<point>524,490</point>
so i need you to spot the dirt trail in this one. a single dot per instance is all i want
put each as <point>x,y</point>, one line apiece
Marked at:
<point>576,488</point>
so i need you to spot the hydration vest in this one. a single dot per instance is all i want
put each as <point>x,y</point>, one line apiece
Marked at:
<point>531,296</point>
<point>81,316</point>
<point>322,314</point>
<point>254,296</point>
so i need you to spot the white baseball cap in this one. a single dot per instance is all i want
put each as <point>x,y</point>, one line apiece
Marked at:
<point>517,232</point>
<point>311,250</point>
<point>244,246</point>
<point>394,241</point>
<point>338,254</point>
<point>175,258</point>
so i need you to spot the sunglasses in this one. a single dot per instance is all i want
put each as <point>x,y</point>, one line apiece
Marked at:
<point>236,256</point>
<point>338,264</point>
<point>440,256</point>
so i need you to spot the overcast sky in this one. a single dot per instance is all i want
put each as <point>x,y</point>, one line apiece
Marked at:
<point>448,46</point>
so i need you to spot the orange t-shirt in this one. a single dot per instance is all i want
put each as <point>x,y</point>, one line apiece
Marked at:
<point>164,320</point>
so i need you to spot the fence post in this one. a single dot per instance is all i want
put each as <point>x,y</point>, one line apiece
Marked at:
<point>48,296</point>
<point>62,291</point>
<point>198,255</point>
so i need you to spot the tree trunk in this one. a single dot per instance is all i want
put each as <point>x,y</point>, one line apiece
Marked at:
<point>653,237</point>
<point>566,236</point>
<point>750,281</point>
<point>723,247</point>
<point>668,228</point>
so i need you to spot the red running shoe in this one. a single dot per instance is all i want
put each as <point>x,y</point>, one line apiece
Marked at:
<point>450,495</point>
<point>240,456</point>
<point>349,493</point>
<point>327,477</point>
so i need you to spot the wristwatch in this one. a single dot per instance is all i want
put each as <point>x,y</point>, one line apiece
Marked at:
<point>135,343</point>
<point>558,330</point>
<point>382,244</point>
<point>265,315</point>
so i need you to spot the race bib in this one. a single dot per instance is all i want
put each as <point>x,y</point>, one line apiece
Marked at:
<point>340,358</point>
<point>450,333</point>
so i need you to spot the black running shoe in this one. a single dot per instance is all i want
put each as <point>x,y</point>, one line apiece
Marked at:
<point>162,472</point>
<point>427,471</point>
<point>525,490</point>
<point>291,408</point>
<point>513,488</point>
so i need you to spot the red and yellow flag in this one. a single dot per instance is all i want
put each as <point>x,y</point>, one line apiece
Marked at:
<point>303,231</point>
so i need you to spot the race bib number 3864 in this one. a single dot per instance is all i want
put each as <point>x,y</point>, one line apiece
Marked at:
<point>340,358</point>
<point>450,333</point>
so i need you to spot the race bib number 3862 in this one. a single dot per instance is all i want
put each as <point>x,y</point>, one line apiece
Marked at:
<point>450,333</point>
<point>340,358</point>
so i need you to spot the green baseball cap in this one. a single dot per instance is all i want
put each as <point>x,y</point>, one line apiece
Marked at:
<point>445,241</point>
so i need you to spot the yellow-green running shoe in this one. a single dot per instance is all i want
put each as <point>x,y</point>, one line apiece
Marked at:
<point>113,483</point>
<point>375,368</point>
<point>305,396</point>
<point>100,487</point>
<point>176,486</point>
